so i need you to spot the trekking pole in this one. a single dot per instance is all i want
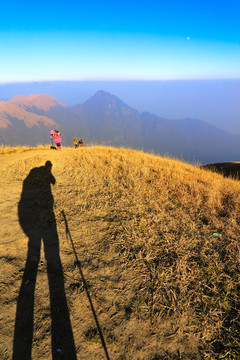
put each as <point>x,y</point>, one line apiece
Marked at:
<point>85,286</point>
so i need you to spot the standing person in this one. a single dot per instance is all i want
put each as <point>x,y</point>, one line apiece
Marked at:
<point>75,143</point>
<point>80,143</point>
<point>56,135</point>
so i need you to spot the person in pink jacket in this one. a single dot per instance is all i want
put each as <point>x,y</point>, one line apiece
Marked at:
<point>56,135</point>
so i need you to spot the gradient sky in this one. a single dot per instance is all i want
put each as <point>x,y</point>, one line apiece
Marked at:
<point>124,40</point>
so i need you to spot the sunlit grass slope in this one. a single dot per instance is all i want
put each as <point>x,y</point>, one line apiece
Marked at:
<point>160,216</point>
<point>143,227</point>
<point>14,149</point>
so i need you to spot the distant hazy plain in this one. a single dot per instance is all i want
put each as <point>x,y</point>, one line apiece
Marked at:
<point>216,102</point>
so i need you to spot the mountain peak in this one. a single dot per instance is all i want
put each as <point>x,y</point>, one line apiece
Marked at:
<point>103,99</point>
<point>102,94</point>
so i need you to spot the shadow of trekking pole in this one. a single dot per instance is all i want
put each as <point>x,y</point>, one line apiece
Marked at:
<point>68,235</point>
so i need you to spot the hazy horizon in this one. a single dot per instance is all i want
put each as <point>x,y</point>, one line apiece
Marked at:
<point>216,102</point>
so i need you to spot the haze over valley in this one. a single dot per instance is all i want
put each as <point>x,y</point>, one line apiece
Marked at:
<point>216,102</point>
<point>106,119</point>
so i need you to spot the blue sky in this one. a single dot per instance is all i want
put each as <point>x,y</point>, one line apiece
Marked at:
<point>124,40</point>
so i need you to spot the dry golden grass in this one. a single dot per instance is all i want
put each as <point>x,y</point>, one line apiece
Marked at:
<point>143,227</point>
<point>161,216</point>
<point>13,149</point>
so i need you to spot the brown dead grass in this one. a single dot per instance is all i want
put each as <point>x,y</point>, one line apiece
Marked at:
<point>18,149</point>
<point>163,286</point>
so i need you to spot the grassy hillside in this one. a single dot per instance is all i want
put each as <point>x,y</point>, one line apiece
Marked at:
<point>163,287</point>
<point>19,149</point>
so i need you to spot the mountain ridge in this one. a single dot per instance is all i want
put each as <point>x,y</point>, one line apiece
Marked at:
<point>106,119</point>
<point>9,110</point>
<point>39,101</point>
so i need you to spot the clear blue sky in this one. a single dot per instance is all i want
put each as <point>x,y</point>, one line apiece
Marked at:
<point>123,40</point>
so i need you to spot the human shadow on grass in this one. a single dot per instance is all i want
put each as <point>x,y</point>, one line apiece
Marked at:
<point>37,219</point>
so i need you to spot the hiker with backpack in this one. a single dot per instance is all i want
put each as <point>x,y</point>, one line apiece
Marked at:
<point>80,143</point>
<point>75,143</point>
<point>56,135</point>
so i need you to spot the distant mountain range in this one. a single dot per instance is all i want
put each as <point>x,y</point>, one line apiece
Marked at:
<point>105,119</point>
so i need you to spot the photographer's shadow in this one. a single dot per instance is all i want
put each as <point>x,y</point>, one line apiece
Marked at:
<point>37,219</point>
